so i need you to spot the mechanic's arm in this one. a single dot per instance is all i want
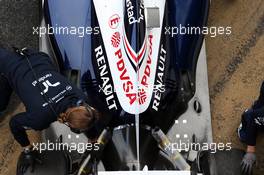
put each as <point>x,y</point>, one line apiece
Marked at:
<point>25,121</point>
<point>251,149</point>
<point>18,125</point>
<point>5,93</point>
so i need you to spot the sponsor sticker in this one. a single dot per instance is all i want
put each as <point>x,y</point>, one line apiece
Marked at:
<point>115,40</point>
<point>114,21</point>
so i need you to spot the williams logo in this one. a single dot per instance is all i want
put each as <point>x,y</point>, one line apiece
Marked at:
<point>47,84</point>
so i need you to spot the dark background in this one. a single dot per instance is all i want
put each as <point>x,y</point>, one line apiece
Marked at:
<point>17,17</point>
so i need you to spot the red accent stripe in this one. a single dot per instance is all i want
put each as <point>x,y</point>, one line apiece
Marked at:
<point>134,57</point>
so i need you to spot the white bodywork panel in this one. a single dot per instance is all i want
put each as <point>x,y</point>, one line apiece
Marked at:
<point>191,122</point>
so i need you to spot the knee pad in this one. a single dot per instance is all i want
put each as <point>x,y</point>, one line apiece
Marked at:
<point>247,115</point>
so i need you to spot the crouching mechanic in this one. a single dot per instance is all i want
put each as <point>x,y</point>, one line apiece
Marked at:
<point>47,95</point>
<point>251,123</point>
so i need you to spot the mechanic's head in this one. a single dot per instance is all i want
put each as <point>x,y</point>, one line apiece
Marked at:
<point>79,118</point>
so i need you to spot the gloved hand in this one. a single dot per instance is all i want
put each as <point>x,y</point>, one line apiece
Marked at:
<point>28,159</point>
<point>248,162</point>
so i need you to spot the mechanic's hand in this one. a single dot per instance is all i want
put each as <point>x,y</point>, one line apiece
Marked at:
<point>248,162</point>
<point>28,159</point>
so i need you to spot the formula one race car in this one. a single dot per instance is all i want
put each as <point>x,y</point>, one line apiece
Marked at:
<point>147,78</point>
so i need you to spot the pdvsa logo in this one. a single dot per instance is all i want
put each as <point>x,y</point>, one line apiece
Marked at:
<point>134,91</point>
<point>114,21</point>
<point>116,39</point>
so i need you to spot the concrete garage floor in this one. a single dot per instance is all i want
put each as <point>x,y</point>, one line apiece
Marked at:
<point>235,67</point>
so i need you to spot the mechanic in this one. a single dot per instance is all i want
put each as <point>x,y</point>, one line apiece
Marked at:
<point>47,95</point>
<point>252,121</point>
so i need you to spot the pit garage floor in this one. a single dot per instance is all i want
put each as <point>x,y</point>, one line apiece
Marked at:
<point>235,67</point>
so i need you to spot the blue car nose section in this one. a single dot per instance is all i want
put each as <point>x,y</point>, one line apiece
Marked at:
<point>188,14</point>
<point>135,25</point>
<point>69,24</point>
<point>182,51</point>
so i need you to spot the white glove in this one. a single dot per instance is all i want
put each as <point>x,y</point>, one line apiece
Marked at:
<point>248,162</point>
